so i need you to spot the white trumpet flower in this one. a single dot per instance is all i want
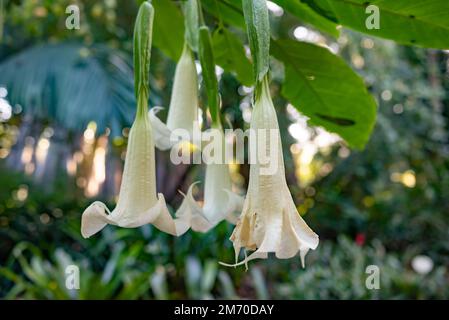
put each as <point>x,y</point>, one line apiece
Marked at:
<point>270,221</point>
<point>138,203</point>
<point>183,110</point>
<point>220,202</point>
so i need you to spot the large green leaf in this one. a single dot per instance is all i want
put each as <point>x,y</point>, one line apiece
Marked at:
<point>168,30</point>
<point>230,55</point>
<point>72,85</point>
<point>230,11</point>
<point>321,86</point>
<point>308,15</point>
<point>419,22</point>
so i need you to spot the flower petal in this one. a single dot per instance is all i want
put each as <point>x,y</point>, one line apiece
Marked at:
<point>165,222</point>
<point>161,133</point>
<point>94,219</point>
<point>199,221</point>
<point>305,234</point>
<point>302,254</point>
<point>235,205</point>
<point>255,255</point>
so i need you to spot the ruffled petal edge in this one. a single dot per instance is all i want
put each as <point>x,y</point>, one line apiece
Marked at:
<point>199,221</point>
<point>95,218</point>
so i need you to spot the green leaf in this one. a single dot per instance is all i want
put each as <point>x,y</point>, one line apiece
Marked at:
<point>229,10</point>
<point>143,30</point>
<point>168,33</point>
<point>321,86</point>
<point>322,7</point>
<point>308,15</point>
<point>418,22</point>
<point>258,28</point>
<point>208,70</point>
<point>191,24</point>
<point>229,54</point>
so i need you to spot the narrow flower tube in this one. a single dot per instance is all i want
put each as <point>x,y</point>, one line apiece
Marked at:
<point>183,110</point>
<point>220,202</point>
<point>269,221</point>
<point>138,202</point>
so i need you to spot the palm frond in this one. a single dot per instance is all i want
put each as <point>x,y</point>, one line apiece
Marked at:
<point>72,84</point>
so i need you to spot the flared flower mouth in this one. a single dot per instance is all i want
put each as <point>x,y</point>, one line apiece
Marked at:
<point>220,202</point>
<point>183,110</point>
<point>270,221</point>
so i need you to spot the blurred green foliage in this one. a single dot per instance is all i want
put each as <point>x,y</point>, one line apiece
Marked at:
<point>382,206</point>
<point>145,263</point>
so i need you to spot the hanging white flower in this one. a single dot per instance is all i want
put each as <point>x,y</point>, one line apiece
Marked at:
<point>138,202</point>
<point>220,202</point>
<point>270,221</point>
<point>183,110</point>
